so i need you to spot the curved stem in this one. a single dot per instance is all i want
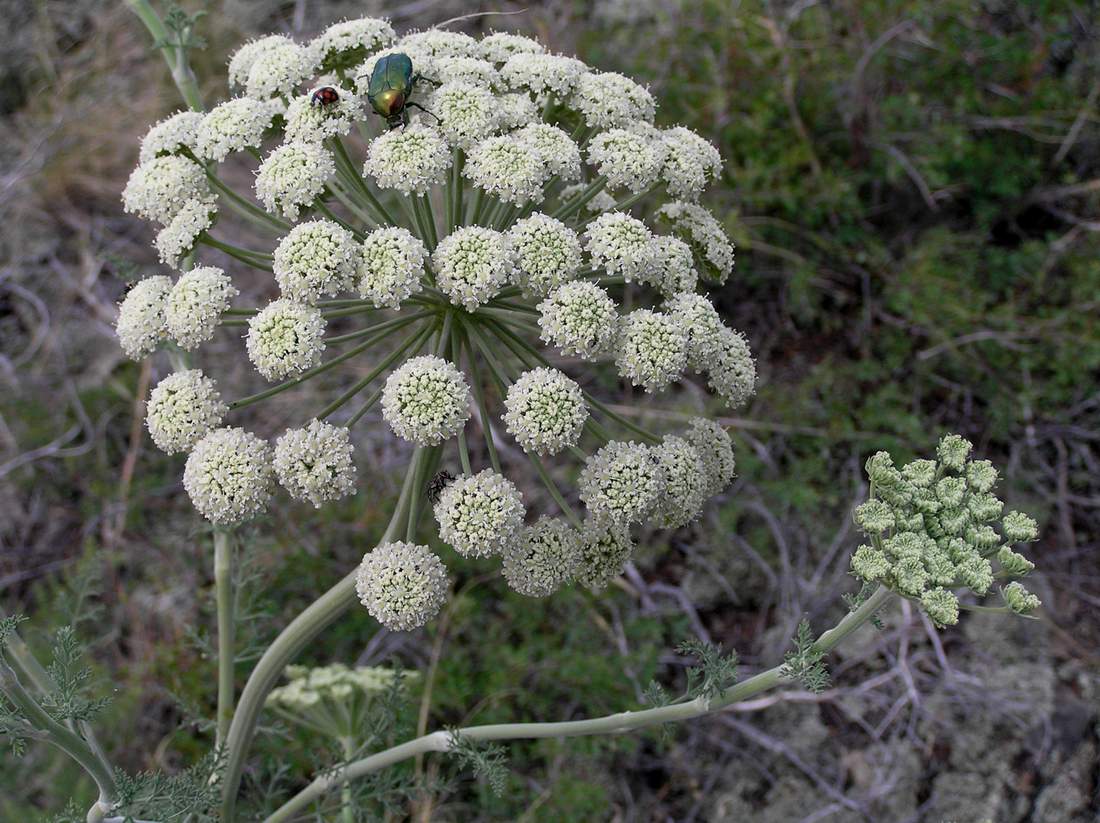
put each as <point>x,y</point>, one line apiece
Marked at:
<point>479,396</point>
<point>628,721</point>
<point>224,597</point>
<point>174,56</point>
<point>245,205</point>
<point>236,253</point>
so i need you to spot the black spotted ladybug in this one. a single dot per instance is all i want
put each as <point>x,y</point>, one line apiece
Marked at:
<point>324,96</point>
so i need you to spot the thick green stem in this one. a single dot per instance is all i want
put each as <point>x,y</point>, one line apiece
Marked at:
<point>174,56</point>
<point>620,723</point>
<point>246,206</point>
<point>581,199</point>
<point>225,599</point>
<point>363,186</point>
<point>234,252</point>
<point>479,396</point>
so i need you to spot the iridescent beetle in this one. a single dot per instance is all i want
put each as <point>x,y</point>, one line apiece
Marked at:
<point>392,83</point>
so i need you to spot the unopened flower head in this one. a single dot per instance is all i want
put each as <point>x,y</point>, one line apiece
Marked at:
<point>316,259</point>
<point>626,158</point>
<point>609,100</point>
<point>234,125</point>
<point>311,122</point>
<point>403,585</point>
<point>229,476</point>
<point>409,160</point>
<point>171,135</point>
<point>285,339</point>
<point>621,483</point>
<point>314,463</point>
<point>344,44</point>
<point>177,239</point>
<point>685,483</point>
<point>472,264</point>
<point>547,253</point>
<point>471,70</point>
<point>292,177</point>
<point>279,70</point>
<point>600,202</point>
<point>732,371</point>
<point>620,244</point>
<point>499,46</point>
<point>651,351</point>
<point>712,442</point>
<point>505,167</point>
<point>706,334</point>
<point>142,323</point>
<point>159,189</point>
<point>183,408</point>
<point>330,688</point>
<point>467,113</point>
<point>196,303</point>
<point>605,550</point>
<point>545,411</point>
<point>543,73</point>
<point>1019,599</point>
<point>480,515</point>
<point>559,153</point>
<point>690,163</point>
<point>390,264</point>
<point>673,269</point>
<point>580,319</point>
<point>426,400</point>
<point>544,558</point>
<point>240,64</point>
<point>699,228</point>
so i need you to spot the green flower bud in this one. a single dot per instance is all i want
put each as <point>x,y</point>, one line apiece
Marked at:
<point>869,564</point>
<point>1019,599</point>
<point>1019,528</point>
<point>1014,563</point>
<point>984,507</point>
<point>874,517</point>
<point>904,545</point>
<point>942,606</point>
<point>981,475</point>
<point>976,573</point>
<point>926,502</point>
<point>910,577</point>
<point>950,491</point>
<point>954,521</point>
<point>958,549</point>
<point>983,538</point>
<point>921,473</point>
<point>953,451</point>
<point>938,563</point>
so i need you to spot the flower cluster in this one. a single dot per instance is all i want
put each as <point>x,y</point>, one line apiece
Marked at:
<point>458,266</point>
<point>933,527</point>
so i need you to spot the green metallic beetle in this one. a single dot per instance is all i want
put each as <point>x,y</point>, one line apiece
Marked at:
<point>392,83</point>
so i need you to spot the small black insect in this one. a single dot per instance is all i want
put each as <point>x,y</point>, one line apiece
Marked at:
<point>437,484</point>
<point>324,96</point>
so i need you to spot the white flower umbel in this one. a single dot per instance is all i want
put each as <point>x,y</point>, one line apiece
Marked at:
<point>673,269</point>
<point>292,177</point>
<point>685,483</point>
<point>170,135</point>
<point>620,244</point>
<point>605,550</point>
<point>426,400</point>
<point>545,558</point>
<point>440,43</point>
<point>409,160</point>
<point>714,447</point>
<point>601,202</point>
<point>467,113</point>
<point>285,338</point>
<point>240,64</point>
<point>182,409</point>
<point>346,43</point>
<point>559,152</point>
<point>196,303</point>
<point>505,167</point>
<point>609,100</point>
<point>391,262</point>
<point>703,327</point>
<point>543,73</point>
<point>234,125</point>
<point>499,46</point>
<point>316,259</point>
<point>228,476</point>
<point>403,585</point>
<point>279,70</point>
<point>690,163</point>
<point>621,483</point>
<point>314,463</point>
<point>479,515</point>
<point>177,240</point>
<point>651,350</point>
<point>157,190</point>
<point>626,158</point>
<point>547,254</point>
<point>545,411</point>
<point>313,122</point>
<point>703,232</point>
<point>142,324</point>
<point>580,319</point>
<point>471,70</point>
<point>732,375</point>
<point>515,110</point>
<point>472,265</point>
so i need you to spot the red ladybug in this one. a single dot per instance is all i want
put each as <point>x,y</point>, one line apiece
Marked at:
<point>324,96</point>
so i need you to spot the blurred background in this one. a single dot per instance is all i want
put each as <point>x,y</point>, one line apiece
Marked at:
<point>912,187</point>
